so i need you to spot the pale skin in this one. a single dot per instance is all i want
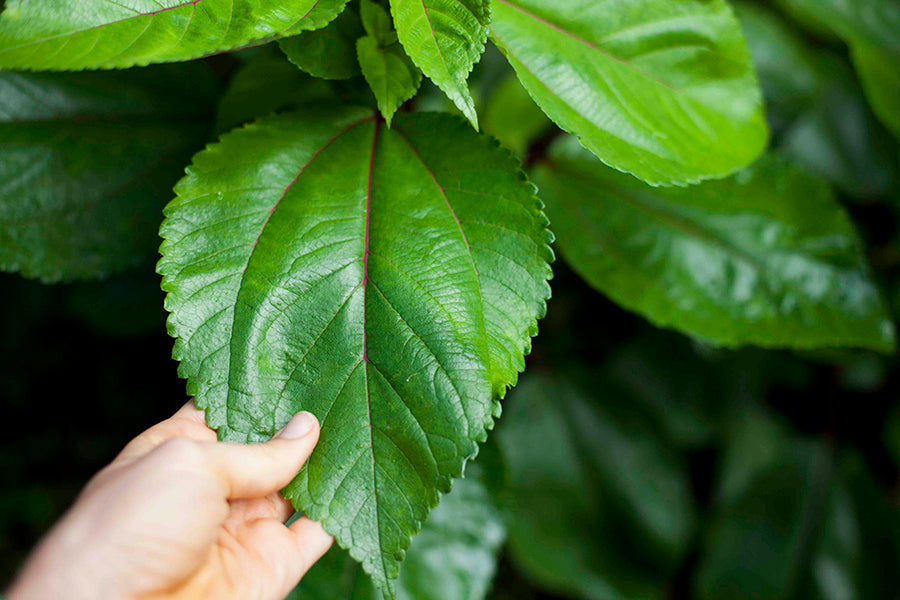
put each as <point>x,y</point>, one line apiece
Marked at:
<point>178,515</point>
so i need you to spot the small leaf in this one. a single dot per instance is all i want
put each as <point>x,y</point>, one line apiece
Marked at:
<point>454,557</point>
<point>592,493</point>
<point>87,162</point>
<point>390,73</point>
<point>47,34</point>
<point>445,38</point>
<point>387,280</point>
<point>377,22</point>
<point>663,90</point>
<point>765,257</point>
<point>330,52</point>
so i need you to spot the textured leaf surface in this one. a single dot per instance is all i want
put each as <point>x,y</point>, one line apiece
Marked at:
<point>663,90</point>
<point>387,280</point>
<point>766,257</point>
<point>390,73</point>
<point>454,557</point>
<point>47,34</point>
<point>87,161</point>
<point>445,38</point>
<point>582,476</point>
<point>329,53</point>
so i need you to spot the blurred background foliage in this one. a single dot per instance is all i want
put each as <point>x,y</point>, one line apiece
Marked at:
<point>630,462</point>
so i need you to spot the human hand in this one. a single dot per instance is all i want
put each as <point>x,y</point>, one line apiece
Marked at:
<point>179,515</point>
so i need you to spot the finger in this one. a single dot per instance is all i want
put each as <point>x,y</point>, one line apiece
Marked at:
<point>189,422</point>
<point>288,552</point>
<point>274,506</point>
<point>256,470</point>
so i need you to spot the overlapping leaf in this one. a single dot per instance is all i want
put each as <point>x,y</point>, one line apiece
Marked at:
<point>46,34</point>
<point>445,38</point>
<point>87,161</point>
<point>765,257</point>
<point>388,280</point>
<point>663,90</point>
<point>454,557</point>
<point>329,53</point>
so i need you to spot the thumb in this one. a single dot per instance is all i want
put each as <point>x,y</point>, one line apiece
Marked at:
<point>256,470</point>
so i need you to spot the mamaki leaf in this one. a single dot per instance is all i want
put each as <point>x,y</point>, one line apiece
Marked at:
<point>88,160</point>
<point>387,280</point>
<point>766,257</point>
<point>47,34</point>
<point>445,38</point>
<point>663,90</point>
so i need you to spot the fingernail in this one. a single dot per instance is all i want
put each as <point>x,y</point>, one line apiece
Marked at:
<point>299,426</point>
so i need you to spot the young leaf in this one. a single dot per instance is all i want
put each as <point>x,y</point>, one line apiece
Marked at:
<point>328,53</point>
<point>454,557</point>
<point>588,489</point>
<point>387,280</point>
<point>663,90</point>
<point>765,257</point>
<point>390,73</point>
<point>87,162</point>
<point>445,38</point>
<point>47,34</point>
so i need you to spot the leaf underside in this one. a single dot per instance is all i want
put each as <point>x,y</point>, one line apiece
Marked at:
<point>47,34</point>
<point>766,257</point>
<point>387,280</point>
<point>663,90</point>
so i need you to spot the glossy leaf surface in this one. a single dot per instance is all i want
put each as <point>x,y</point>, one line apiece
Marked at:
<point>387,280</point>
<point>445,38</point>
<point>330,52</point>
<point>87,161</point>
<point>589,487</point>
<point>663,90</point>
<point>454,557</point>
<point>46,34</point>
<point>765,257</point>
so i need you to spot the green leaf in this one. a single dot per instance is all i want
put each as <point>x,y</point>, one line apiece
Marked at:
<point>879,71</point>
<point>817,109</point>
<point>592,493</point>
<point>445,38</point>
<point>872,30</point>
<point>268,83</point>
<point>330,52</point>
<point>765,257</point>
<point>390,73</point>
<point>387,280</point>
<point>87,162</point>
<point>377,22</point>
<point>663,90</point>
<point>47,34</point>
<point>454,557</point>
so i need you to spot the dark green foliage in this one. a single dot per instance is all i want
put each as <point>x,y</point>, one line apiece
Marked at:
<point>730,171</point>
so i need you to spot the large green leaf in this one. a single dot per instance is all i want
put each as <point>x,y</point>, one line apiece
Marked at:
<point>87,161</point>
<point>663,90</point>
<point>593,493</point>
<point>388,280</point>
<point>454,557</point>
<point>47,34</point>
<point>445,38</point>
<point>765,257</point>
<point>817,110</point>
